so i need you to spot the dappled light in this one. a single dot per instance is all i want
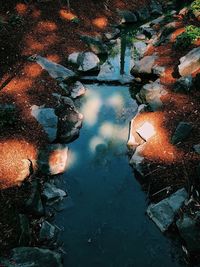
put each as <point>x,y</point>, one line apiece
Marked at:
<point>100,22</point>
<point>66,15</point>
<point>46,26</point>
<point>21,8</point>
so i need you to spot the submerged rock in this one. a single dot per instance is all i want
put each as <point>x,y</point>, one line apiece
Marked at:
<point>189,229</point>
<point>163,213</point>
<point>51,192</point>
<point>47,231</point>
<point>190,62</point>
<point>182,132</point>
<point>48,119</point>
<point>32,256</point>
<point>74,90</point>
<point>55,70</point>
<point>52,159</point>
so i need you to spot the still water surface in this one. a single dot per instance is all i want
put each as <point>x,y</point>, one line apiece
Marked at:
<point>107,225</point>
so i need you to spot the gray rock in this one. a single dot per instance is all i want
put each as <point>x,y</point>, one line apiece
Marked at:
<point>34,203</point>
<point>48,119</point>
<point>137,159</point>
<point>190,62</point>
<point>88,61</point>
<point>140,36</point>
<point>95,44</point>
<point>76,90</point>
<point>158,70</point>
<point>52,159</point>
<point>112,34</point>
<point>73,58</point>
<point>163,213</point>
<point>182,132</point>
<point>184,84</point>
<point>51,192</point>
<point>47,231</point>
<point>55,70</point>
<point>189,229</point>
<point>151,94</point>
<point>144,66</point>
<point>25,233</point>
<point>32,257</point>
<point>140,49</point>
<point>147,30</point>
<point>127,16</point>
<point>197,148</point>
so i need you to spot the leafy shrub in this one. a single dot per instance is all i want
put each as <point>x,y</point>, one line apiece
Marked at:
<point>184,40</point>
<point>195,6</point>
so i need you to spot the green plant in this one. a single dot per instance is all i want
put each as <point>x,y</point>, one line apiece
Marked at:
<point>184,40</point>
<point>195,6</point>
<point>75,20</point>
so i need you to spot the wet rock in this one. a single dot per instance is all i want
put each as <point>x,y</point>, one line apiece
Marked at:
<point>189,229</point>
<point>55,70</point>
<point>182,131</point>
<point>163,213</point>
<point>146,131</point>
<point>52,159</point>
<point>190,62</point>
<point>140,36</point>
<point>127,16</point>
<point>137,159</point>
<point>95,44</point>
<point>74,90</point>
<point>144,66</point>
<point>73,58</point>
<point>47,231</point>
<point>48,119</point>
<point>142,14</point>
<point>140,49</point>
<point>151,94</point>
<point>25,233</point>
<point>197,148</point>
<point>134,139</point>
<point>51,192</point>
<point>88,61</point>
<point>34,203</point>
<point>184,84</point>
<point>70,121</point>
<point>156,8</point>
<point>32,256</point>
<point>147,30</point>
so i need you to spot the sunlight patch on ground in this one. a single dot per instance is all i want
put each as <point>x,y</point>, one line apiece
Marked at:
<point>100,23</point>
<point>46,26</point>
<point>67,15</point>
<point>21,8</point>
<point>32,70</point>
<point>55,58</point>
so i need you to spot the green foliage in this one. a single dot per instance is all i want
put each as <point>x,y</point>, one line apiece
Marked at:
<point>75,20</point>
<point>184,40</point>
<point>195,6</point>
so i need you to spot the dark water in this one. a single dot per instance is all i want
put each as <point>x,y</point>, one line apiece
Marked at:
<point>107,225</point>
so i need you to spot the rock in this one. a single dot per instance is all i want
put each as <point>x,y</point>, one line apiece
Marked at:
<point>156,8</point>
<point>73,58</point>
<point>197,148</point>
<point>134,139</point>
<point>184,84</point>
<point>182,132</point>
<point>189,229</point>
<point>158,70</point>
<point>127,16</point>
<point>52,159</point>
<point>76,90</point>
<point>34,257</point>
<point>51,192</point>
<point>147,30</point>
<point>34,202</point>
<point>157,21</point>
<point>140,36</point>
<point>146,131</point>
<point>163,213</point>
<point>70,121</point>
<point>140,49</point>
<point>144,66</point>
<point>95,44</point>
<point>112,34</point>
<point>47,231</point>
<point>55,70</point>
<point>88,61</point>
<point>190,62</point>
<point>151,94</point>
<point>25,171</point>
<point>48,119</point>
<point>137,159</point>
<point>25,234</point>
<point>142,14</point>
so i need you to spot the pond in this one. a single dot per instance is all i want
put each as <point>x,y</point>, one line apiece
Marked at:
<point>106,225</point>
